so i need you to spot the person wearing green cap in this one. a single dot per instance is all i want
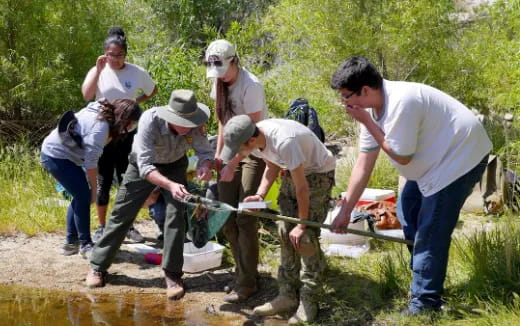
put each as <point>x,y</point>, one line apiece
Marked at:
<point>287,144</point>
<point>237,91</point>
<point>158,159</point>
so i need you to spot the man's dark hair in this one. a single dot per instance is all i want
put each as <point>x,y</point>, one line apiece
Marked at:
<point>355,73</point>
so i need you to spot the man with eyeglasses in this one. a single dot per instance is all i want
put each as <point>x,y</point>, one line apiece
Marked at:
<point>436,143</point>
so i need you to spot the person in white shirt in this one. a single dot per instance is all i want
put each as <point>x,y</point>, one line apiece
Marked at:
<point>113,78</point>
<point>237,91</point>
<point>304,192</point>
<point>435,142</point>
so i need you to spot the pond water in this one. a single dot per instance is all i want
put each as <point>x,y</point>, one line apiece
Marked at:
<point>25,306</point>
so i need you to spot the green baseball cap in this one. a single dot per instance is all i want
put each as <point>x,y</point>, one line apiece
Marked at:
<point>237,131</point>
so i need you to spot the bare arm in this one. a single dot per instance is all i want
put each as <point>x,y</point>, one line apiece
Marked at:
<point>92,180</point>
<point>88,89</point>
<point>358,181</point>
<point>144,97</point>
<point>379,136</point>
<point>270,174</point>
<point>178,190</point>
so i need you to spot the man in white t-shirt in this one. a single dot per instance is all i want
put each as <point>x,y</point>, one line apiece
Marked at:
<point>435,142</point>
<point>287,144</point>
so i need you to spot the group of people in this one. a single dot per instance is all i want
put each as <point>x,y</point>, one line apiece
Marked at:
<point>434,141</point>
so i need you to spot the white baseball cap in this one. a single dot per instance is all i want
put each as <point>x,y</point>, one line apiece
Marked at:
<point>218,58</point>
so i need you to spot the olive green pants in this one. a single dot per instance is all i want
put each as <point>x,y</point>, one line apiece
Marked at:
<point>242,230</point>
<point>129,199</point>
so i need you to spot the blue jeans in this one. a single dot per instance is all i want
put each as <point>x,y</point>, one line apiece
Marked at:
<point>158,212</point>
<point>429,222</point>
<point>73,179</point>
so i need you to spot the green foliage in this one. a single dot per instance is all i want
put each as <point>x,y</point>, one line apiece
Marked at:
<point>46,48</point>
<point>493,262</point>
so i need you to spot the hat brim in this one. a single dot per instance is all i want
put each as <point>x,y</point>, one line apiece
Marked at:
<point>228,152</point>
<point>199,117</point>
<point>213,71</point>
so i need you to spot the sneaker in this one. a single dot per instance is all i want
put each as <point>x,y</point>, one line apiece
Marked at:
<point>95,279</point>
<point>98,233</point>
<point>70,249</point>
<point>86,250</point>
<point>134,235</point>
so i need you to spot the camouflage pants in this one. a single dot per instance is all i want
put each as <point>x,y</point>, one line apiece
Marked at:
<point>311,266</point>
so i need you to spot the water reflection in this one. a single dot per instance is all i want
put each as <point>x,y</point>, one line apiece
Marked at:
<point>24,306</point>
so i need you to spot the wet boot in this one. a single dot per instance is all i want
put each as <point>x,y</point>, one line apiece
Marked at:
<point>307,312</point>
<point>174,286</point>
<point>279,304</point>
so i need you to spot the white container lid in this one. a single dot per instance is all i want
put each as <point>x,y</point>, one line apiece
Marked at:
<point>375,194</point>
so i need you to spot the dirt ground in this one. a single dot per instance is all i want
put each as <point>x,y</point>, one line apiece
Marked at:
<point>36,262</point>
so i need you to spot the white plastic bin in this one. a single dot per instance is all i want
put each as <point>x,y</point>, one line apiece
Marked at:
<point>329,237</point>
<point>201,259</point>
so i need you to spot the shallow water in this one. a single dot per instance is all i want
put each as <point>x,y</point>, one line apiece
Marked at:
<point>26,306</point>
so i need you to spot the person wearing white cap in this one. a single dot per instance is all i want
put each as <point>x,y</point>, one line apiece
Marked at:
<point>158,159</point>
<point>237,91</point>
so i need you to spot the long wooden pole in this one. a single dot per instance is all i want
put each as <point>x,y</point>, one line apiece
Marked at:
<point>277,217</point>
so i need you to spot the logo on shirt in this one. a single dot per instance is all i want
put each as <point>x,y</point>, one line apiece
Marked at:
<point>128,84</point>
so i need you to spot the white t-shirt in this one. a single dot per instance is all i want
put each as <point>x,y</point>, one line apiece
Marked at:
<point>126,83</point>
<point>289,144</point>
<point>246,95</point>
<point>443,138</point>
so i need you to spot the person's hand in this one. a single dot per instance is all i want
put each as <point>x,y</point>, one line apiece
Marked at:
<point>101,62</point>
<point>204,173</point>
<point>178,191</point>
<point>296,235</point>
<point>253,198</point>
<point>340,221</point>
<point>226,174</point>
<point>358,113</point>
<point>218,164</point>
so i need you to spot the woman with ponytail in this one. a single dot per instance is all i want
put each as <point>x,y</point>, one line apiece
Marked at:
<point>237,91</point>
<point>75,147</point>
<point>113,78</point>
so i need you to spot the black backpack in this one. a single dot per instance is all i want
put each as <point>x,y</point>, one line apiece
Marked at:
<point>301,111</point>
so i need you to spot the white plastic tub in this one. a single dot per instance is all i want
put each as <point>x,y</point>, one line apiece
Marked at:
<point>329,237</point>
<point>201,259</point>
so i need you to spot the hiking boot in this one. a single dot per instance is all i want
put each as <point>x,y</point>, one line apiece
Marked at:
<point>95,279</point>
<point>69,249</point>
<point>307,312</point>
<point>279,304</point>
<point>85,250</point>
<point>98,233</point>
<point>134,235</point>
<point>240,295</point>
<point>174,286</point>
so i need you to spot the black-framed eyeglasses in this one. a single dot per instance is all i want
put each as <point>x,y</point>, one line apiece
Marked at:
<point>216,63</point>
<point>116,55</point>
<point>346,97</point>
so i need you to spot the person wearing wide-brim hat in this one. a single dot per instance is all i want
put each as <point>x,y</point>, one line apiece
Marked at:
<point>158,159</point>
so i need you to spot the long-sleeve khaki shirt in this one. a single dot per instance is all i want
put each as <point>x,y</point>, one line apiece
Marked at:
<point>155,143</point>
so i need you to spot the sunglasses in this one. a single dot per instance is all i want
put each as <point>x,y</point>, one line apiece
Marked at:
<point>214,61</point>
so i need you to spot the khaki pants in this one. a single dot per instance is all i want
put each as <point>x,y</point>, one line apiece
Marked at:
<point>242,230</point>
